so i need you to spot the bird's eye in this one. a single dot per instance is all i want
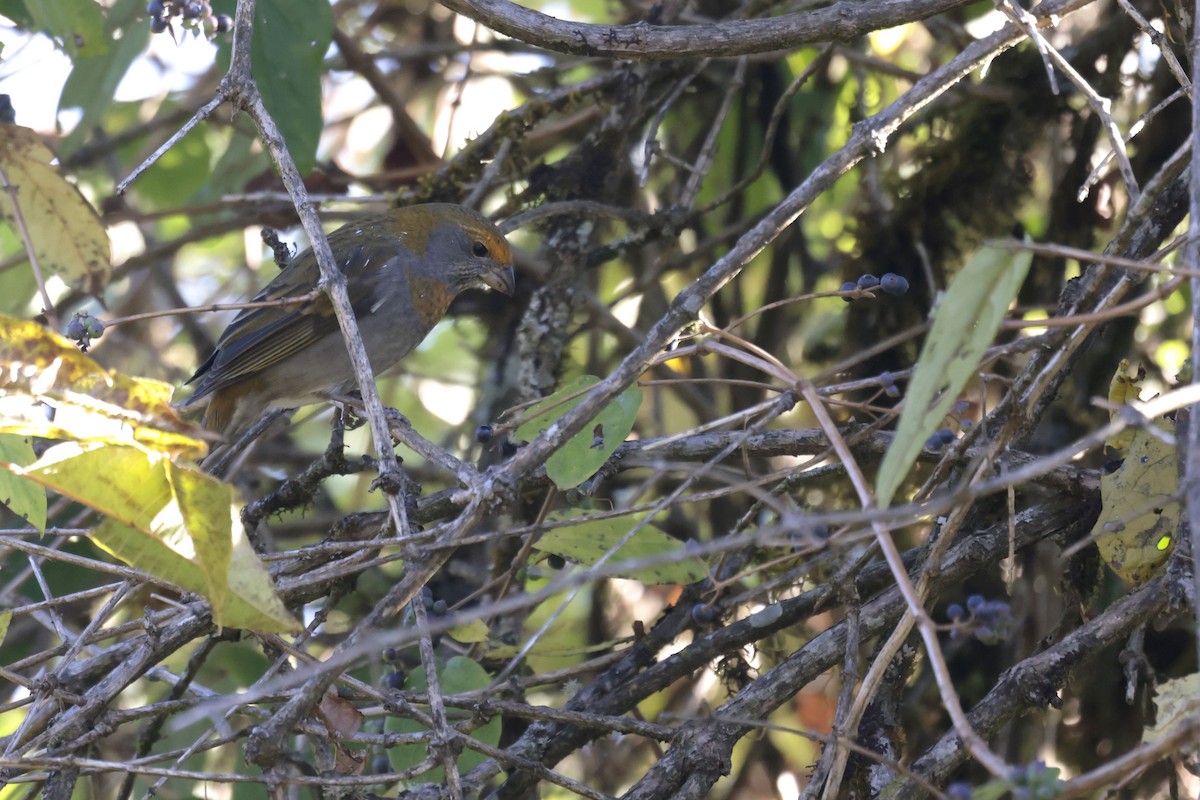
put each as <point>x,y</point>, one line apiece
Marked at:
<point>479,249</point>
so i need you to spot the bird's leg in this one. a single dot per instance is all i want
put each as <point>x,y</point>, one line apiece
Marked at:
<point>349,404</point>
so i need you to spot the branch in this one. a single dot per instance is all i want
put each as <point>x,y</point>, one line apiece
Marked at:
<point>642,42</point>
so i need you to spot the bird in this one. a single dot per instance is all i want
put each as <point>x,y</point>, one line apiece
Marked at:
<point>403,268</point>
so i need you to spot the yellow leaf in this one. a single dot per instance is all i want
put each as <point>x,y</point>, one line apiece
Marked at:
<point>89,402</point>
<point>1123,389</point>
<point>175,523</point>
<point>470,632</point>
<point>1136,528</point>
<point>68,237</point>
<point>1176,701</point>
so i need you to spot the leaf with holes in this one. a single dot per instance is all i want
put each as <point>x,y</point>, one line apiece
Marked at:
<point>587,542</point>
<point>22,496</point>
<point>1122,389</point>
<point>585,452</point>
<point>1136,528</point>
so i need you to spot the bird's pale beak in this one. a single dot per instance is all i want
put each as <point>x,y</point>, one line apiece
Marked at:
<point>502,280</point>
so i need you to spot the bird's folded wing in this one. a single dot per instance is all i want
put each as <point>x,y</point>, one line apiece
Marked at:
<point>260,338</point>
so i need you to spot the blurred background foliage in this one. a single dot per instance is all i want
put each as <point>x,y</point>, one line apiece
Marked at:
<point>647,173</point>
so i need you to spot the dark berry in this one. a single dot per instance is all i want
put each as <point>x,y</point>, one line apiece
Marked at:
<point>395,680</point>
<point>703,614</point>
<point>959,791</point>
<point>975,603</point>
<point>935,442</point>
<point>391,654</point>
<point>508,448</point>
<point>224,23</point>
<point>867,281</point>
<point>155,8</point>
<point>955,612</point>
<point>158,24</point>
<point>848,286</point>
<point>484,433</point>
<point>946,435</point>
<point>192,10</point>
<point>894,284</point>
<point>380,765</point>
<point>888,381</point>
<point>440,608</point>
<point>76,330</point>
<point>94,327</point>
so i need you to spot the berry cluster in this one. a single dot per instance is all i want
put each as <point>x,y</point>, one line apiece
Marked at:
<point>940,439</point>
<point>485,434</point>
<point>83,328</point>
<point>959,790</point>
<point>397,677</point>
<point>1034,781</point>
<point>194,15</point>
<point>891,283</point>
<point>888,381</point>
<point>945,436</point>
<point>990,621</point>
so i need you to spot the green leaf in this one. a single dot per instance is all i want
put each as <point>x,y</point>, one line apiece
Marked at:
<point>547,647</point>
<point>22,496</point>
<point>20,285</point>
<point>77,25</point>
<point>459,675</point>
<point>290,40</point>
<point>17,12</point>
<point>588,541</point>
<point>182,171</point>
<point>585,452</point>
<point>93,80</point>
<point>965,322</point>
<point>239,159</point>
